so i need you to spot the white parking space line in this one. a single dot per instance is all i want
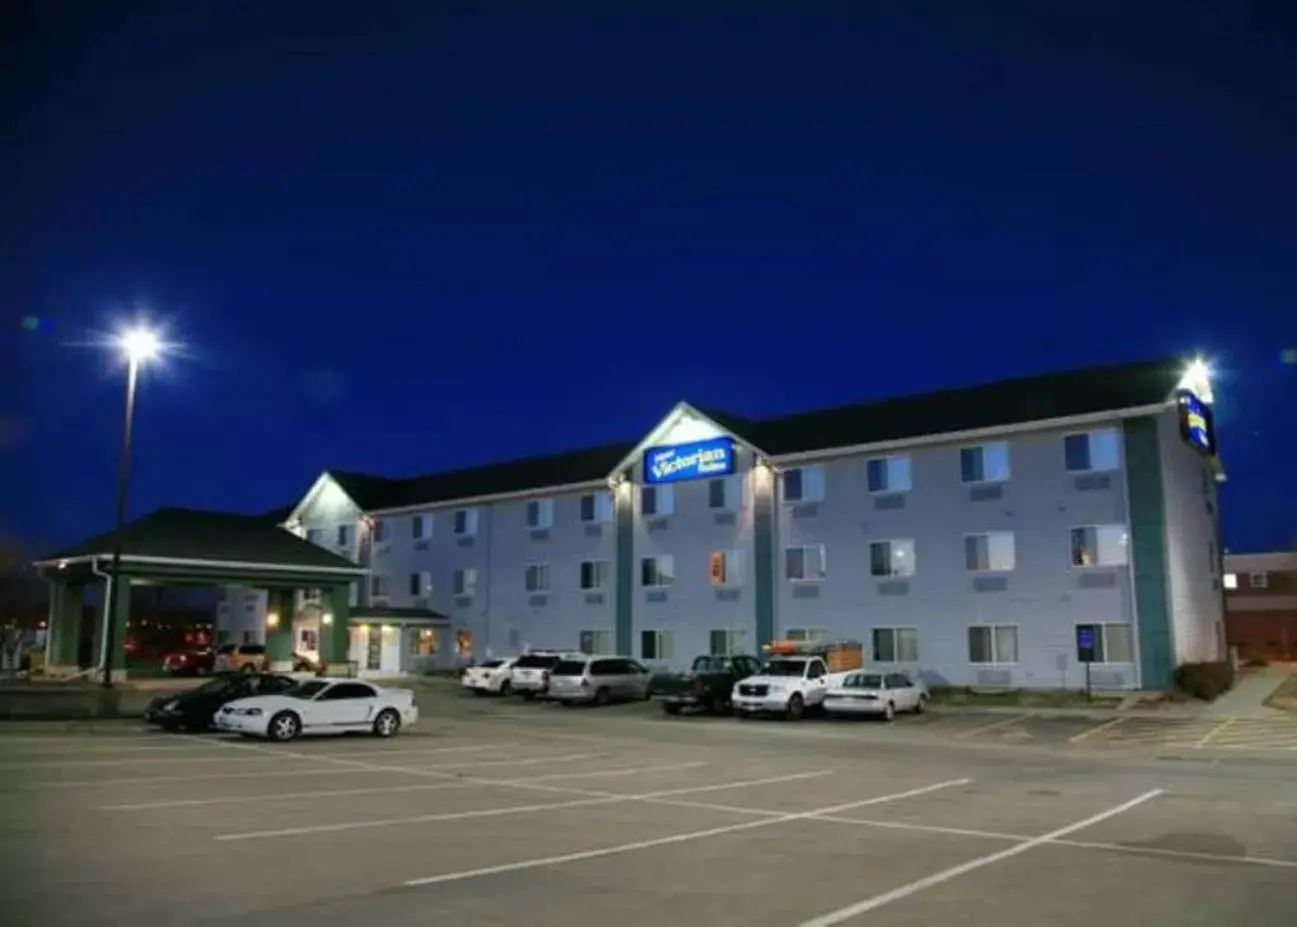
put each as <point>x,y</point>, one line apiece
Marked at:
<point>675,838</point>
<point>994,725</point>
<point>606,799</point>
<point>1097,729</point>
<point>1218,729</point>
<point>905,891</point>
<point>143,761</point>
<point>383,790</point>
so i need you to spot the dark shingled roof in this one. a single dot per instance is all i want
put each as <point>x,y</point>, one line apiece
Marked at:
<point>1086,391</point>
<point>194,534</point>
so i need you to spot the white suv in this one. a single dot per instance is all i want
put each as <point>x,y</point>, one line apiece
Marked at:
<point>529,675</point>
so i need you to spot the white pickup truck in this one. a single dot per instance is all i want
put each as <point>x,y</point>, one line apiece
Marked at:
<point>786,685</point>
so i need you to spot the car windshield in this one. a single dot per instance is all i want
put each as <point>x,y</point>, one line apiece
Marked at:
<point>306,690</point>
<point>536,661</point>
<point>570,668</point>
<point>784,668</point>
<point>711,664</point>
<point>864,681</point>
<point>491,664</point>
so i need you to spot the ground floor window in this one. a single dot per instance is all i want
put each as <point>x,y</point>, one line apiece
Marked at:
<point>655,645</point>
<point>463,641</point>
<point>595,642</point>
<point>896,645</point>
<point>1112,642</point>
<point>993,644</point>
<point>727,641</point>
<point>374,649</point>
<point>423,642</point>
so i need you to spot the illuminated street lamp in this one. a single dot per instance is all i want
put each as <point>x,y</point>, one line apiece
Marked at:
<point>139,346</point>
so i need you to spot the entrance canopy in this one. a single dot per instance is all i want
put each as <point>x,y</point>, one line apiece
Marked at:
<point>403,617</point>
<point>196,547</point>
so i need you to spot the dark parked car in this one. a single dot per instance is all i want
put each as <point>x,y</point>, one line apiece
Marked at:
<point>190,662</point>
<point>193,710</point>
<point>707,686</point>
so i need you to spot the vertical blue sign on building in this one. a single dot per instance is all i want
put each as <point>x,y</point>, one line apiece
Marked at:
<point>691,461</point>
<point>1197,427</point>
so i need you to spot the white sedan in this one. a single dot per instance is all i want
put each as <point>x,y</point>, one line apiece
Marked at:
<point>492,677</point>
<point>320,706</point>
<point>881,694</point>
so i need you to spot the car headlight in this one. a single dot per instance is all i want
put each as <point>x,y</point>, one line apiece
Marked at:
<point>171,705</point>
<point>251,712</point>
<point>776,688</point>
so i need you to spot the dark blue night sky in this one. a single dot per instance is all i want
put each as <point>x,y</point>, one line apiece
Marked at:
<point>400,237</point>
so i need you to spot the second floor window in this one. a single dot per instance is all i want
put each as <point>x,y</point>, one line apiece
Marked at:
<point>344,535</point>
<point>537,577</point>
<point>725,568</point>
<point>421,527</point>
<point>657,500</point>
<point>805,564</point>
<point>891,558</point>
<point>1092,451</point>
<point>985,463</point>
<point>464,581</point>
<point>804,484</point>
<point>380,531</point>
<point>725,492</point>
<point>596,506</point>
<point>540,513</point>
<point>992,552</point>
<point>658,571</point>
<point>1099,545</point>
<point>378,585</point>
<point>594,574</point>
<point>465,522</point>
<point>888,474</point>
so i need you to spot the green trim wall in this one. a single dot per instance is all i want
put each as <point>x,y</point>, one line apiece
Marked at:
<point>1147,517</point>
<point>624,558</point>
<point>764,527</point>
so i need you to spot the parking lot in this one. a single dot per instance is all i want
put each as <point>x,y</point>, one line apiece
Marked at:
<point>507,813</point>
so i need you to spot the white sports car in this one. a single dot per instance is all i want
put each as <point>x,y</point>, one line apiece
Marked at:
<point>320,706</point>
<point>491,677</point>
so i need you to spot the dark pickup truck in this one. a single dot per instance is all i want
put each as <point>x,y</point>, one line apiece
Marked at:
<point>707,685</point>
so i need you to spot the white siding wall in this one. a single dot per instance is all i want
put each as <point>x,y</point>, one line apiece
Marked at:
<point>1192,547</point>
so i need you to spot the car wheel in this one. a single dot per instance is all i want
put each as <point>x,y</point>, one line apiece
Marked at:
<point>170,726</point>
<point>889,712</point>
<point>602,696</point>
<point>283,727</point>
<point>796,707</point>
<point>505,688</point>
<point>387,723</point>
<point>671,708</point>
<point>478,692</point>
<point>921,705</point>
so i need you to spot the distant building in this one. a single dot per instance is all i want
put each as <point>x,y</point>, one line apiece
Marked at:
<point>974,537</point>
<point>1261,604</point>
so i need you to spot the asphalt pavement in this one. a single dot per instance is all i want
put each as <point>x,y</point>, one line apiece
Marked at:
<point>500,812</point>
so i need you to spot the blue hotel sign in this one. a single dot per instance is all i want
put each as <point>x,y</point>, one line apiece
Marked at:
<point>692,461</point>
<point>1197,425</point>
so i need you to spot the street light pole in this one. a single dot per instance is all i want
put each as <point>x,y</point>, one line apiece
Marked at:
<point>139,345</point>
<point>123,484</point>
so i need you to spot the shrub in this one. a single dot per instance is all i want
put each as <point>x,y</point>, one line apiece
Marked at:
<point>1205,681</point>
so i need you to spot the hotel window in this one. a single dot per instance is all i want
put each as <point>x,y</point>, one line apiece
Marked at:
<point>725,567</point>
<point>992,644</point>
<point>465,522</point>
<point>424,642</point>
<point>421,584</point>
<point>896,645</point>
<point>594,643</point>
<point>1231,580</point>
<point>805,564</point>
<point>805,635</point>
<point>1099,545</point>
<point>1258,580</point>
<point>990,552</point>
<point>311,596</point>
<point>464,582</point>
<point>656,572</point>
<point>1112,642</point>
<point>594,574</point>
<point>804,484</point>
<point>985,463</point>
<point>421,527</point>
<point>344,535</point>
<point>655,645</point>
<point>725,492</point>
<point>378,585</point>
<point>596,506</point>
<point>313,535</point>
<point>1092,451</point>
<point>891,558</point>
<point>888,474</point>
<point>380,530</point>
<point>540,513</point>
<point>537,577</point>
<point>726,641</point>
<point>657,500</point>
